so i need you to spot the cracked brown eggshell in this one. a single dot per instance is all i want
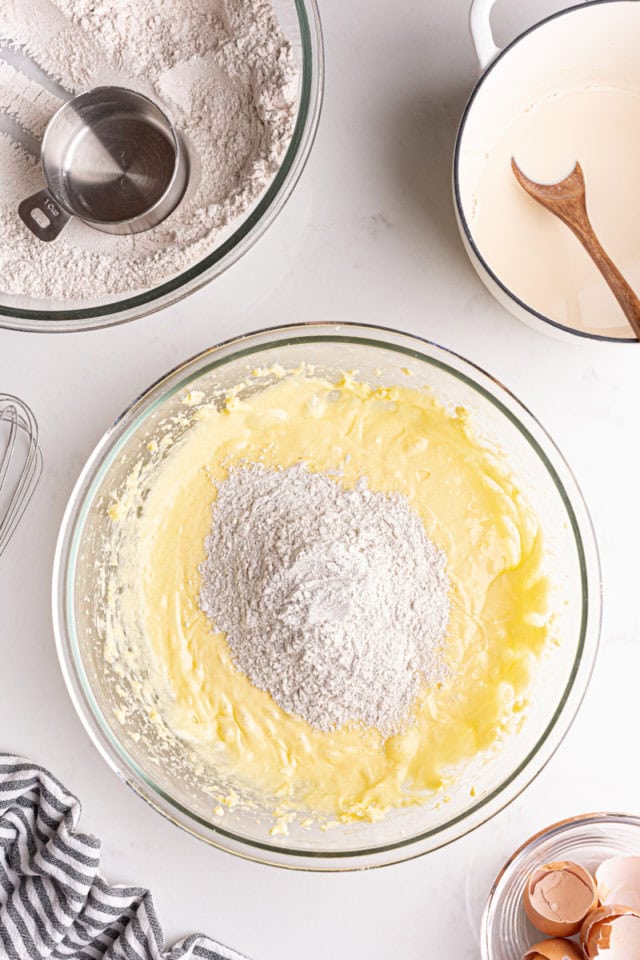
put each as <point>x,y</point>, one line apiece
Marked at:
<point>558,896</point>
<point>556,949</point>
<point>598,934</point>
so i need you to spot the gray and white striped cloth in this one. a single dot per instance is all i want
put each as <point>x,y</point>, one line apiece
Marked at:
<point>53,901</point>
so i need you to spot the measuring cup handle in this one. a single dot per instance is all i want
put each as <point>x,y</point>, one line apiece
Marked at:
<point>43,215</point>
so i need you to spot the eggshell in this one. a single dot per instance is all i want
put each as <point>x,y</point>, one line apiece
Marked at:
<point>558,896</point>
<point>554,950</point>
<point>618,881</point>
<point>611,932</point>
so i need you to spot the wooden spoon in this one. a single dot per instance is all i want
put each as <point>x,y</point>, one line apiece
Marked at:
<point>567,199</point>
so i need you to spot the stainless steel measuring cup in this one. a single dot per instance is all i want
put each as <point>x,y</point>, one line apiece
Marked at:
<point>112,158</point>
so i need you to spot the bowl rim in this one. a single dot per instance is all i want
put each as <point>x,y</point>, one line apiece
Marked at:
<point>546,833</point>
<point>108,448</point>
<point>249,229</point>
<point>460,212</point>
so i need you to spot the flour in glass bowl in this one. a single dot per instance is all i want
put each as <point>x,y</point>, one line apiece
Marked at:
<point>335,601</point>
<point>221,69</point>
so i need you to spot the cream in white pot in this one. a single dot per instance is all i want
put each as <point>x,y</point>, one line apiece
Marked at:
<point>566,90</point>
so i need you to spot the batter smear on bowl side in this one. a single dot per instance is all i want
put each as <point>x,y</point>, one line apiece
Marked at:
<point>339,594</point>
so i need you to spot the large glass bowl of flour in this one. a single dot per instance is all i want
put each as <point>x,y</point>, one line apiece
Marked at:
<point>165,770</point>
<point>242,82</point>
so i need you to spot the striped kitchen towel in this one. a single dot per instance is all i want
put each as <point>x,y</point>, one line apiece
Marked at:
<point>53,901</point>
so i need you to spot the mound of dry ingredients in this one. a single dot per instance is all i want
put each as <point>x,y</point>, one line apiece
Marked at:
<point>335,601</point>
<point>221,69</point>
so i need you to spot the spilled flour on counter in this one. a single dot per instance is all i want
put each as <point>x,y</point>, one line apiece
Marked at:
<point>334,601</point>
<point>221,69</point>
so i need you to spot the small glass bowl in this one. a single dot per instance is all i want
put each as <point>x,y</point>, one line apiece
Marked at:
<point>588,840</point>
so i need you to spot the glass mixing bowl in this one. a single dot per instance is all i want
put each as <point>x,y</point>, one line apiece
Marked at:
<point>300,22</point>
<point>587,840</point>
<point>380,356</point>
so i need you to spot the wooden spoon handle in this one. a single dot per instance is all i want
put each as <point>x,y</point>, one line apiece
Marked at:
<point>617,284</point>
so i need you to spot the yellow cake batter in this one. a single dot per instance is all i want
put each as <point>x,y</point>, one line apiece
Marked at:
<point>402,440</point>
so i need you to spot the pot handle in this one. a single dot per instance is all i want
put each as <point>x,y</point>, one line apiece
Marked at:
<point>480,23</point>
<point>481,33</point>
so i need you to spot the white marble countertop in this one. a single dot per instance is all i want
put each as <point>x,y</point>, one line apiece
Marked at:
<point>369,235</point>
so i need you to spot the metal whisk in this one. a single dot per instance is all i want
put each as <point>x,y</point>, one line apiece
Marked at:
<point>20,463</point>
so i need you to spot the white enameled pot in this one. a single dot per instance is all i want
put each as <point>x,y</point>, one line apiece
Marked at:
<point>594,42</point>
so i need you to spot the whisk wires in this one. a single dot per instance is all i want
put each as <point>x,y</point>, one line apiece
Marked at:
<point>20,463</point>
